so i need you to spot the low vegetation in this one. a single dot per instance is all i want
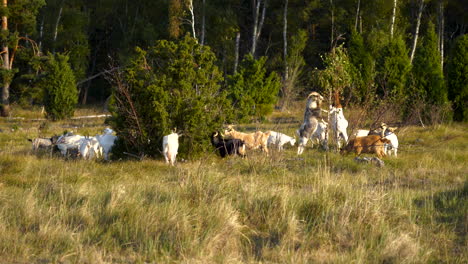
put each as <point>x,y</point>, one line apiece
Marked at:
<point>320,207</point>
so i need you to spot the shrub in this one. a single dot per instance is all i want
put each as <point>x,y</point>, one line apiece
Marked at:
<point>61,95</point>
<point>171,85</point>
<point>252,91</point>
<point>457,78</point>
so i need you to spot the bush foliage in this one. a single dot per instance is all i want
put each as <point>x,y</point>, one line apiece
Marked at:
<point>170,85</point>
<point>457,78</point>
<point>253,92</point>
<point>61,95</point>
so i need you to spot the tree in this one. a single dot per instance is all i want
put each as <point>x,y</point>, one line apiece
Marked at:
<point>169,85</point>
<point>429,79</point>
<point>18,20</point>
<point>457,78</point>
<point>252,91</point>
<point>393,66</point>
<point>61,95</point>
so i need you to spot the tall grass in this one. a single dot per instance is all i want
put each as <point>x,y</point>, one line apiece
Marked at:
<point>316,208</point>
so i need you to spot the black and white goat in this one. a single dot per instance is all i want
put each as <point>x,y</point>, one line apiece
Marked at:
<point>312,116</point>
<point>228,146</point>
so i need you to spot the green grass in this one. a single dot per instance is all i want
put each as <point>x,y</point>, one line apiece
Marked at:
<point>320,207</point>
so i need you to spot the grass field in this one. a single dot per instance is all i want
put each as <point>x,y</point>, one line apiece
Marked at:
<point>320,207</point>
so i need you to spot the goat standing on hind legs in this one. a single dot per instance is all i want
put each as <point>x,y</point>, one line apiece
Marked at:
<point>312,115</point>
<point>338,122</point>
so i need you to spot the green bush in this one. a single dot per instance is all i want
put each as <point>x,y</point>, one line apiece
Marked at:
<point>171,85</point>
<point>457,78</point>
<point>61,95</point>
<point>252,91</point>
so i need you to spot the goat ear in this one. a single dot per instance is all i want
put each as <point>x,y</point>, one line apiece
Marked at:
<point>392,129</point>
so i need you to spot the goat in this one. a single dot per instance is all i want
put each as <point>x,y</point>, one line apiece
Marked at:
<point>228,146</point>
<point>170,146</point>
<point>90,148</point>
<point>339,124</point>
<point>385,132</point>
<point>279,139</point>
<point>41,143</point>
<point>252,141</point>
<point>312,115</point>
<point>369,144</point>
<point>69,142</point>
<point>107,141</point>
<point>320,135</point>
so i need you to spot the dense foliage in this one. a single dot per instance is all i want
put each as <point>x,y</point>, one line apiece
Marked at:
<point>169,85</point>
<point>457,78</point>
<point>61,95</point>
<point>252,91</point>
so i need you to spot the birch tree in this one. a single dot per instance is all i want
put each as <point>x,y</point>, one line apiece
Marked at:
<point>416,31</point>
<point>393,18</point>
<point>258,22</point>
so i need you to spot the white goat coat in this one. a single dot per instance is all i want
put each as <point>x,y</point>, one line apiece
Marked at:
<point>320,135</point>
<point>170,147</point>
<point>393,147</point>
<point>339,124</point>
<point>69,142</point>
<point>90,148</point>
<point>279,139</point>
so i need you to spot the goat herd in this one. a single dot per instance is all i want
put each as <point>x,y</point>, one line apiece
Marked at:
<point>381,141</point>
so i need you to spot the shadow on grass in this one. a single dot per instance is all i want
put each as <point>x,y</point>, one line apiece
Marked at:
<point>449,208</point>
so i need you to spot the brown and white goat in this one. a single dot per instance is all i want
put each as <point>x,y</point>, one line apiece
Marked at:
<point>254,140</point>
<point>368,144</point>
<point>312,116</point>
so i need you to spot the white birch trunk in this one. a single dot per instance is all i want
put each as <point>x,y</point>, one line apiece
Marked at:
<point>202,34</point>
<point>285,40</point>
<point>416,31</point>
<point>192,21</point>
<point>5,99</point>
<point>393,18</point>
<point>256,6</point>
<point>57,23</point>
<point>332,34</point>
<point>236,55</point>
<point>357,15</point>
<point>441,34</point>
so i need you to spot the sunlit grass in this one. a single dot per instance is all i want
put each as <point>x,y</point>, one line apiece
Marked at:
<point>320,207</point>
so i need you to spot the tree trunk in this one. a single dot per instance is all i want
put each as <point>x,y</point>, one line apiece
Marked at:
<point>236,55</point>
<point>202,35</point>
<point>5,100</point>
<point>192,22</point>
<point>332,31</point>
<point>256,6</point>
<point>416,31</point>
<point>393,18</point>
<point>41,33</point>
<point>441,33</point>
<point>285,40</point>
<point>56,26</point>
<point>357,15</point>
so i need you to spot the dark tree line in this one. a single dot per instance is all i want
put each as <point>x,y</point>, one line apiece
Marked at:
<point>389,43</point>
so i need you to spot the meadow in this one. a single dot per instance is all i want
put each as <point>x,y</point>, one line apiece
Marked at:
<point>319,207</point>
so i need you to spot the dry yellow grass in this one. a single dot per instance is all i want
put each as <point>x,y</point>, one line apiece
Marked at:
<point>317,208</point>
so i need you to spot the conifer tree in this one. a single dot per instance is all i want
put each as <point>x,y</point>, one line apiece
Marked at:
<point>253,92</point>
<point>427,73</point>
<point>61,95</point>
<point>457,78</point>
<point>363,63</point>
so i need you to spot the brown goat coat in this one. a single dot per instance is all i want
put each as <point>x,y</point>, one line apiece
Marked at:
<point>369,144</point>
<point>251,140</point>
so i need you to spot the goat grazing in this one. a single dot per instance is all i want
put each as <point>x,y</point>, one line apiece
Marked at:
<point>254,140</point>
<point>279,139</point>
<point>170,146</point>
<point>369,144</point>
<point>312,115</point>
<point>228,146</point>
<point>90,148</point>
<point>385,132</point>
<point>107,141</point>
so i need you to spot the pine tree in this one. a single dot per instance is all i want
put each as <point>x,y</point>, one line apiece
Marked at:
<point>169,85</point>
<point>457,78</point>
<point>364,64</point>
<point>253,92</point>
<point>393,66</point>
<point>61,95</point>
<point>427,73</point>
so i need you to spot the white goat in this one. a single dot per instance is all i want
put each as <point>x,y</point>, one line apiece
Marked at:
<point>279,139</point>
<point>66,143</point>
<point>339,124</point>
<point>170,146</point>
<point>106,141</point>
<point>90,148</point>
